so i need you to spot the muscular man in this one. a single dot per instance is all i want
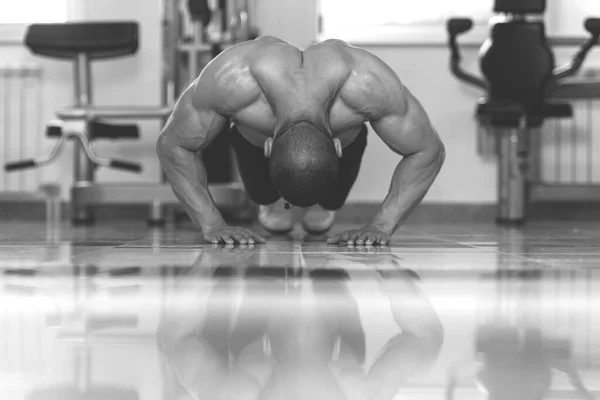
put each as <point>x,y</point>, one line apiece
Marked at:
<point>298,131</point>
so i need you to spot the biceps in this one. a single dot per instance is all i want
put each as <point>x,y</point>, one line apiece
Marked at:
<point>190,126</point>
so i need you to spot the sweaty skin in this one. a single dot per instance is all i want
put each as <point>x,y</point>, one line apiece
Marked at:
<point>263,84</point>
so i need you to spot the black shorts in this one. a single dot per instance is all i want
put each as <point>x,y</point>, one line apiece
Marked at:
<point>254,170</point>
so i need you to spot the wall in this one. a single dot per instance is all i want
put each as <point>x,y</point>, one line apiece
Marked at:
<point>567,16</point>
<point>465,178</point>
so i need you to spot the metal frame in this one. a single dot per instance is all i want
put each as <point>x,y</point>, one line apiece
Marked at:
<point>512,172</point>
<point>85,193</point>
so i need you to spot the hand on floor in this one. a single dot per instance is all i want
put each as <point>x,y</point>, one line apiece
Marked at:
<point>368,235</point>
<point>232,235</point>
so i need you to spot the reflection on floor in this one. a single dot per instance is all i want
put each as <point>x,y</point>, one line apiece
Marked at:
<point>473,311</point>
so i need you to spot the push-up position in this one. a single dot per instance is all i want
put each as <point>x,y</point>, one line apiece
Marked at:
<point>298,132</point>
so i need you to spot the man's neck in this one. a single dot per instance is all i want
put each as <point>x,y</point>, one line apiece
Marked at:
<point>320,121</point>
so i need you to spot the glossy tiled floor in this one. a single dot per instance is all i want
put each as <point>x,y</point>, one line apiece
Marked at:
<point>123,312</point>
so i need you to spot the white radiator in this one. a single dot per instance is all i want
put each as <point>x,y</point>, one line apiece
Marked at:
<point>570,148</point>
<point>21,125</point>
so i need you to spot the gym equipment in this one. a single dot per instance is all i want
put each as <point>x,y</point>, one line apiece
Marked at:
<point>522,85</point>
<point>85,42</point>
<point>95,130</point>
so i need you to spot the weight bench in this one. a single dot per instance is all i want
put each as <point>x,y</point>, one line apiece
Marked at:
<point>84,123</point>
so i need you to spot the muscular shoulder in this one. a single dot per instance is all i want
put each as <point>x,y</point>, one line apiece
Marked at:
<point>227,83</point>
<point>372,87</point>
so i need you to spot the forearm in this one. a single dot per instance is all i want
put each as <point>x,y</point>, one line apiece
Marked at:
<point>411,180</point>
<point>186,174</point>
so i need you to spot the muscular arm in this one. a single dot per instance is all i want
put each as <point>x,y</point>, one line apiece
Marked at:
<point>402,123</point>
<point>191,127</point>
<point>407,131</point>
<point>416,348</point>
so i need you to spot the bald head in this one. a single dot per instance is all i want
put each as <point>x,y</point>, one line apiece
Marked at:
<point>303,163</point>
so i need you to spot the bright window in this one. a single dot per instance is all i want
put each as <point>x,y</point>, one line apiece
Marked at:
<point>402,12</point>
<point>33,11</point>
<point>402,19</point>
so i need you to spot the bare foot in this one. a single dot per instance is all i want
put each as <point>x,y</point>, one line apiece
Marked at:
<point>275,218</point>
<point>317,220</point>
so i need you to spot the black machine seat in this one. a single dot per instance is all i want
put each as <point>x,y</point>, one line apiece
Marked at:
<point>518,62</point>
<point>507,114</point>
<point>520,6</point>
<point>98,40</point>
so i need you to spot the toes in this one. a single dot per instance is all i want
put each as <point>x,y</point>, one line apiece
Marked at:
<point>333,239</point>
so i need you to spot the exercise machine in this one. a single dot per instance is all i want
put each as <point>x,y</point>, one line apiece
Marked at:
<point>84,123</point>
<point>521,80</point>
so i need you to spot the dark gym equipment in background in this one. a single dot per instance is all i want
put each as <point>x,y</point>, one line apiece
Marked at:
<point>523,87</point>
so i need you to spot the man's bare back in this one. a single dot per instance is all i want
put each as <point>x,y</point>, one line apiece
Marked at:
<point>269,80</point>
<point>324,95</point>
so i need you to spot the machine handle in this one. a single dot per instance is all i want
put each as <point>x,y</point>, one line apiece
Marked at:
<point>19,165</point>
<point>54,131</point>
<point>455,27</point>
<point>592,25</point>
<point>458,26</point>
<point>125,165</point>
<point>100,130</point>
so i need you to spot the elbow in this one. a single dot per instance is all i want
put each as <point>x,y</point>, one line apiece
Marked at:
<point>428,330</point>
<point>432,156</point>
<point>164,340</point>
<point>432,335</point>
<point>436,335</point>
<point>169,336</point>
<point>440,153</point>
<point>161,145</point>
